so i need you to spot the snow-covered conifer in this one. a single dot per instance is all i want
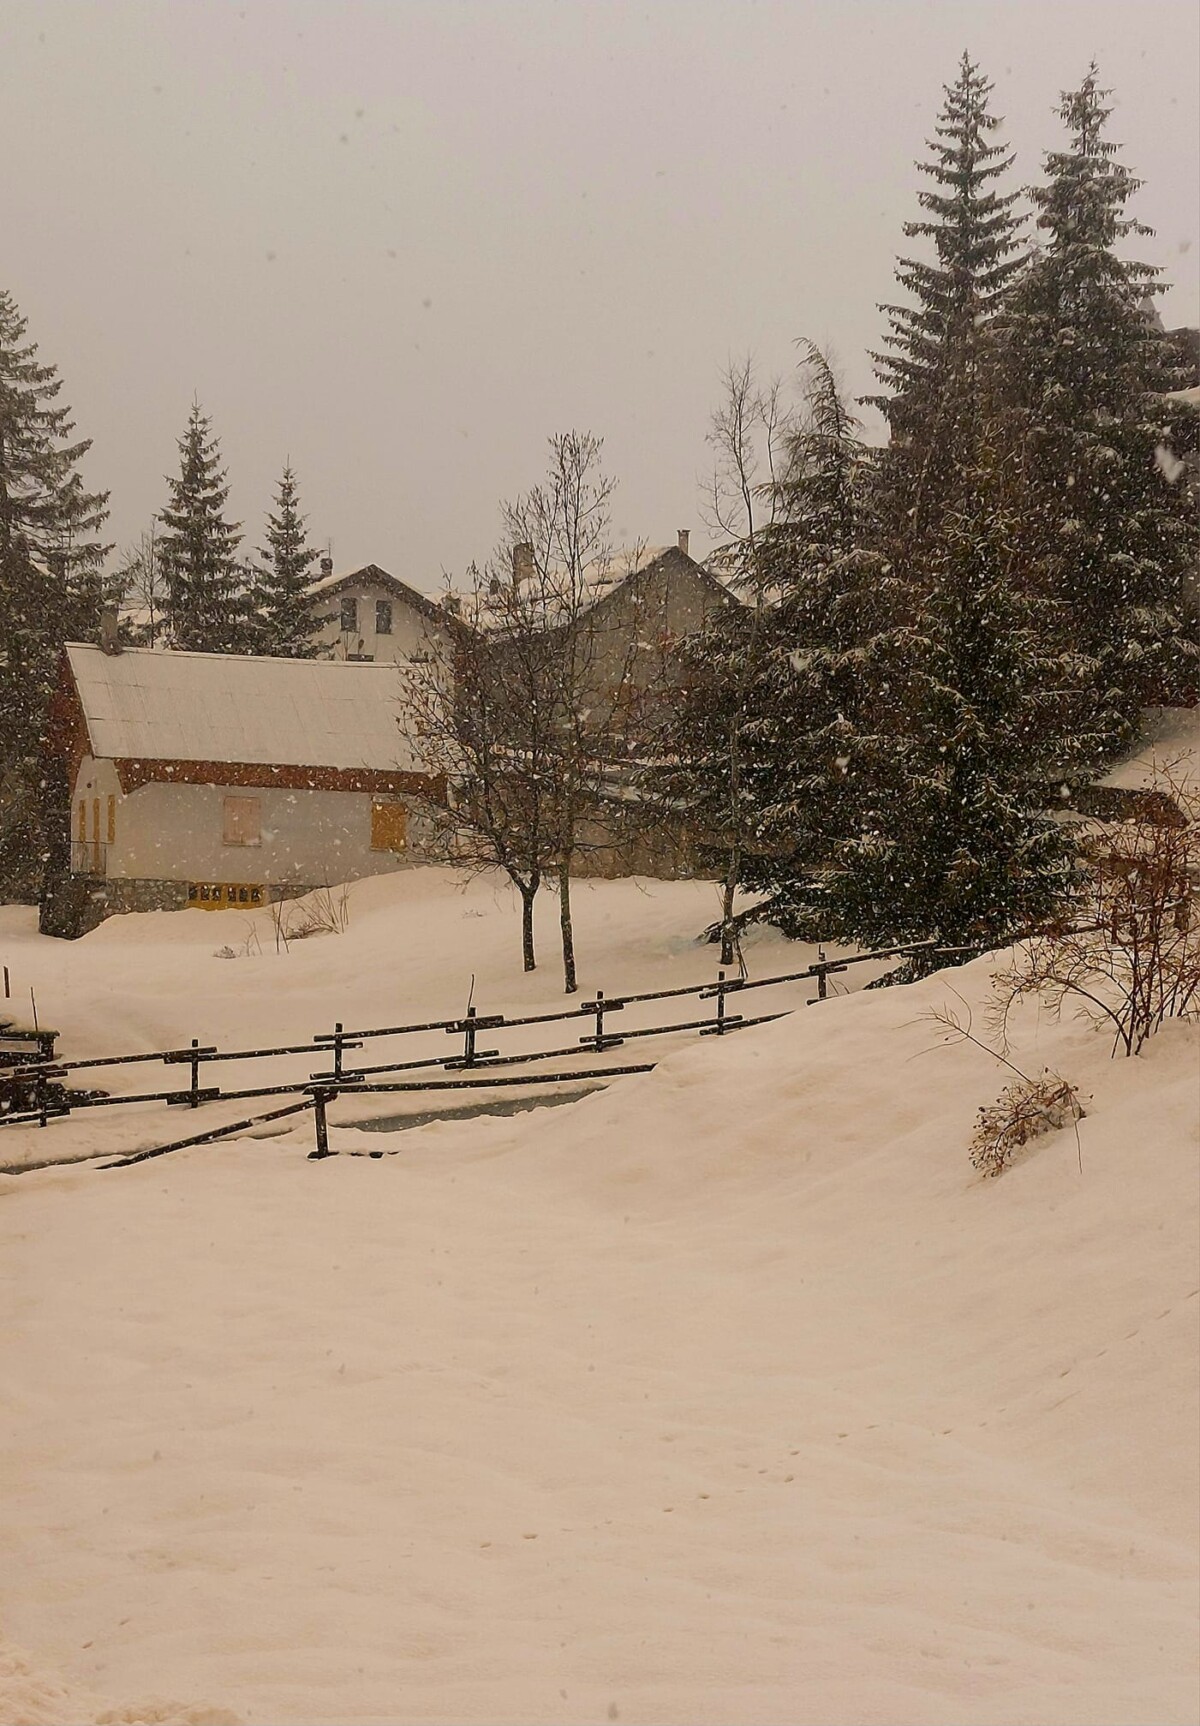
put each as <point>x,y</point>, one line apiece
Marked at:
<point>207,603</point>
<point>929,372</point>
<point>49,580</point>
<point>283,622</point>
<point>1102,527</point>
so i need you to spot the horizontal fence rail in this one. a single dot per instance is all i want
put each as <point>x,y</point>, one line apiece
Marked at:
<point>33,1087</point>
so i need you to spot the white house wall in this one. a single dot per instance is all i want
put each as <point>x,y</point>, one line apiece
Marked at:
<point>176,833</point>
<point>413,635</point>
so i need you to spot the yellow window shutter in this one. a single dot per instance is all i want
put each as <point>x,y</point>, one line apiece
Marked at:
<point>389,827</point>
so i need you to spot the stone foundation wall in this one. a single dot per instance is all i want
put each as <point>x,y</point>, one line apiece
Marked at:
<point>77,904</point>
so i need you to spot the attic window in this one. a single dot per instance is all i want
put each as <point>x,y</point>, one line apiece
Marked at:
<point>383,617</point>
<point>243,821</point>
<point>349,614</point>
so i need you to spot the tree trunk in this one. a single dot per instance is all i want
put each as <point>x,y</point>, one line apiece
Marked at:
<point>728,893</point>
<point>528,895</point>
<point>568,933</point>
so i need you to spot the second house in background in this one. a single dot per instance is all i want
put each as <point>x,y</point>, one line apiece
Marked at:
<point>368,614</point>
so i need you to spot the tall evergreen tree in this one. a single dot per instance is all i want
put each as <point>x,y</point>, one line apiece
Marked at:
<point>952,842</point>
<point>208,605</point>
<point>49,585</point>
<point>283,621</point>
<point>787,674</point>
<point>929,373</point>
<point>831,649</point>
<point>1101,528</point>
<point>948,844</point>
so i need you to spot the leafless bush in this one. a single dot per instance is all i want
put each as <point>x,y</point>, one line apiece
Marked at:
<point>321,912</point>
<point>1024,1110</point>
<point>1133,960</point>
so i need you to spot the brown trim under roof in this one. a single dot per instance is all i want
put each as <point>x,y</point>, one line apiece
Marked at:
<point>133,773</point>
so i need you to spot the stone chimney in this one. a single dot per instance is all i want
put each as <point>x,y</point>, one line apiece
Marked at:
<point>326,567</point>
<point>684,536</point>
<point>522,562</point>
<point>110,639</point>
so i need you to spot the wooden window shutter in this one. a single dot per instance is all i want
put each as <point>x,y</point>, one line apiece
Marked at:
<point>243,821</point>
<point>389,827</point>
<point>112,819</point>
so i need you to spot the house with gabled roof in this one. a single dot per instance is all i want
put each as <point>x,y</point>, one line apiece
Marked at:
<point>223,780</point>
<point>371,616</point>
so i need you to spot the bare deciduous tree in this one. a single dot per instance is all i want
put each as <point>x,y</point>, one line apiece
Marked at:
<point>487,737</point>
<point>751,434</point>
<point>528,714</point>
<point>1134,959</point>
<point>140,589</point>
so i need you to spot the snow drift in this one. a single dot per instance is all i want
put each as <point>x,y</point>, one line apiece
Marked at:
<point>729,1394</point>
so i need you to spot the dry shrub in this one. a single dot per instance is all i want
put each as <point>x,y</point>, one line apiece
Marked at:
<point>1024,1110</point>
<point>1133,959</point>
<point>322,912</point>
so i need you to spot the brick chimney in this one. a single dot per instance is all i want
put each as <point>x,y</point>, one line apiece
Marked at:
<point>522,562</point>
<point>684,536</point>
<point>110,638</point>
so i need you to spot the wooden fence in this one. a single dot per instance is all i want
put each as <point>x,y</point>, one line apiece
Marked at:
<point>35,1087</point>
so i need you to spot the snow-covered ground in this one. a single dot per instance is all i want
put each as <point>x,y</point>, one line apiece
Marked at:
<point>727,1394</point>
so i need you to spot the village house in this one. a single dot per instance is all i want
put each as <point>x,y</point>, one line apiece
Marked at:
<point>221,780</point>
<point>370,615</point>
<point>636,607</point>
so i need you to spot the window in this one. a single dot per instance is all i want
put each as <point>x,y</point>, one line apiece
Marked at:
<point>383,617</point>
<point>243,821</point>
<point>82,821</point>
<point>349,614</point>
<point>389,827</point>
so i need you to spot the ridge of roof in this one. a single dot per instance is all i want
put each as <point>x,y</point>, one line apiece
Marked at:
<point>375,572</point>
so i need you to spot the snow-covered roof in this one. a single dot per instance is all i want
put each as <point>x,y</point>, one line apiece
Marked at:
<point>371,575</point>
<point>1169,736</point>
<point>146,705</point>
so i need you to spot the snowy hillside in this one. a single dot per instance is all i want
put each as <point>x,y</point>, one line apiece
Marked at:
<point>730,1393</point>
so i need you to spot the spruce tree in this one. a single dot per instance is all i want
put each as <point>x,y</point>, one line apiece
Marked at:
<point>830,648</point>
<point>207,602</point>
<point>928,376</point>
<point>1103,529</point>
<point>958,718</point>
<point>49,587</point>
<point>953,843</point>
<point>283,621</point>
<point>786,673</point>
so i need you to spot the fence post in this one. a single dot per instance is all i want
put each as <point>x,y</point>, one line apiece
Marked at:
<point>720,1025</point>
<point>600,1007</point>
<point>337,1050</point>
<point>194,1063</point>
<point>469,1038</point>
<point>320,1099</point>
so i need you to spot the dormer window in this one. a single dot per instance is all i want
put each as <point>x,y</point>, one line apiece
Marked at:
<point>383,617</point>
<point>349,614</point>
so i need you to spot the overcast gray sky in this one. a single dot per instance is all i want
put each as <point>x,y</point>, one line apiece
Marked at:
<point>404,242</point>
